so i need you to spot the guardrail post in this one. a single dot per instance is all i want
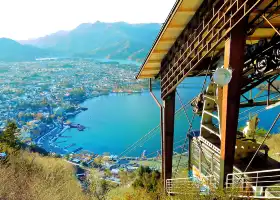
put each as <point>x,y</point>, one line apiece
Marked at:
<point>257,180</point>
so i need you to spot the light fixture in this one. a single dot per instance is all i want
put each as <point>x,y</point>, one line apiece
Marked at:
<point>222,76</point>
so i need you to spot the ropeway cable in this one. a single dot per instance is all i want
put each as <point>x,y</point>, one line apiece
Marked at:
<point>160,149</point>
<point>185,141</point>
<point>137,143</point>
<point>134,144</point>
<point>193,116</point>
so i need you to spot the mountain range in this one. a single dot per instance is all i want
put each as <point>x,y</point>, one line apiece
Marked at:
<point>11,50</point>
<point>117,40</point>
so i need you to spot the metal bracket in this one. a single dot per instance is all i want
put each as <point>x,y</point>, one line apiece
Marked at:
<point>152,94</point>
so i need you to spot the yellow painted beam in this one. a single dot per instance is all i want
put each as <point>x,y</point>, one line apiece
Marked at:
<point>160,51</point>
<point>177,26</point>
<point>147,76</point>
<point>151,69</point>
<point>259,37</point>
<point>154,61</point>
<point>186,10</point>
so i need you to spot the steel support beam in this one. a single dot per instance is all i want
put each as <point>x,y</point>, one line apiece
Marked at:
<point>234,59</point>
<point>258,103</point>
<point>168,135</point>
<point>161,122</point>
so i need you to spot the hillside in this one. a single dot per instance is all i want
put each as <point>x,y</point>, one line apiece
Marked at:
<point>274,148</point>
<point>118,40</point>
<point>28,176</point>
<point>11,50</point>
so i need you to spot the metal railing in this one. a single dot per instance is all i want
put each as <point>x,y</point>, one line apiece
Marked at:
<point>190,186</point>
<point>258,184</point>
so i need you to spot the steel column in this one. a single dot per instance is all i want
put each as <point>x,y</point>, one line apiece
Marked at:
<point>162,144</point>
<point>234,59</point>
<point>161,123</point>
<point>168,135</point>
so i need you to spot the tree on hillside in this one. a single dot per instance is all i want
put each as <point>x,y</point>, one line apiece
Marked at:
<point>98,188</point>
<point>77,93</point>
<point>147,179</point>
<point>107,173</point>
<point>97,162</point>
<point>124,177</point>
<point>8,136</point>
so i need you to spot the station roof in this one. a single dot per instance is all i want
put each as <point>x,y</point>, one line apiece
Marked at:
<point>178,18</point>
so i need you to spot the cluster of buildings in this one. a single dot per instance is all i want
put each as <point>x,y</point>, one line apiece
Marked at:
<point>109,166</point>
<point>39,95</point>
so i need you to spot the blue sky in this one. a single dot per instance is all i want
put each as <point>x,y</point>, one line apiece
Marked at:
<point>25,19</point>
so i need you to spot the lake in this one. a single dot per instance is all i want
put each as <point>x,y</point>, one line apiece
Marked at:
<point>116,121</point>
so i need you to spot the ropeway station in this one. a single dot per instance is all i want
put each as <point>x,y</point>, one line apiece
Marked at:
<point>235,43</point>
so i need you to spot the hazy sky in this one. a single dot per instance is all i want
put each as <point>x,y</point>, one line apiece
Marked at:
<point>25,19</point>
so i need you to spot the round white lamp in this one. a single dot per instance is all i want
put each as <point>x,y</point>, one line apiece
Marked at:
<point>222,76</point>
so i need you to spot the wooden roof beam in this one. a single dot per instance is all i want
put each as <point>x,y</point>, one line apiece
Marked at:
<point>176,26</point>
<point>275,24</point>
<point>258,37</point>
<point>147,76</point>
<point>151,69</point>
<point>167,40</point>
<point>160,51</point>
<point>255,12</point>
<point>154,61</point>
<point>186,10</point>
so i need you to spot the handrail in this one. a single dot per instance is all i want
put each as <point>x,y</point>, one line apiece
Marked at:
<point>261,171</point>
<point>262,184</point>
<point>190,185</point>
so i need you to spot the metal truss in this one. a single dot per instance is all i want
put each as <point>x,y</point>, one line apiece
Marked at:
<point>203,40</point>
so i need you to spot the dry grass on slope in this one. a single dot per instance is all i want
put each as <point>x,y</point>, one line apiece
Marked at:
<point>28,176</point>
<point>274,148</point>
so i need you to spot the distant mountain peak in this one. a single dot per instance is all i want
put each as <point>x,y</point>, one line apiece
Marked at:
<point>11,50</point>
<point>120,40</point>
<point>3,39</point>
